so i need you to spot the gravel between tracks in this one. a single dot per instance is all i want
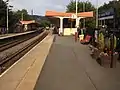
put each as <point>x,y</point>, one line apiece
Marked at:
<point>14,49</point>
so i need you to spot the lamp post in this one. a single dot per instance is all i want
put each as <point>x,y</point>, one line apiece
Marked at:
<point>76,34</point>
<point>84,11</point>
<point>7,13</point>
<point>97,14</point>
<point>7,19</point>
<point>76,12</point>
<point>112,35</point>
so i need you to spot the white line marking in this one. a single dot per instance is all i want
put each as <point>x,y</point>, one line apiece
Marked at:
<point>21,58</point>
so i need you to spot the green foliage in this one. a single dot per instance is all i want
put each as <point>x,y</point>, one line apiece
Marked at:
<point>3,16</point>
<point>2,12</point>
<point>45,23</point>
<point>22,14</point>
<point>111,4</point>
<point>14,17</point>
<point>71,7</point>
<point>12,21</point>
<point>90,22</point>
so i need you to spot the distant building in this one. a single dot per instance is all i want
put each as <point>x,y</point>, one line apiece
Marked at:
<point>67,22</point>
<point>23,26</point>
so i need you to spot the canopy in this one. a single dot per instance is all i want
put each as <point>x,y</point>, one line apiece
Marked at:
<point>64,14</point>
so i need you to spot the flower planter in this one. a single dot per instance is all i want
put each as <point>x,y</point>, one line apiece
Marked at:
<point>106,60</point>
<point>115,58</point>
<point>103,58</point>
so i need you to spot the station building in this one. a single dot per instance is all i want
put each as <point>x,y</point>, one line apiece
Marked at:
<point>29,25</point>
<point>67,22</point>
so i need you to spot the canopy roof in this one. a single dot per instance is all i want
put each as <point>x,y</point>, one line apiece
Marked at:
<point>63,14</point>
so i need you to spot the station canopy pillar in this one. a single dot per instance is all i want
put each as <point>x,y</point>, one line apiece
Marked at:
<point>62,15</point>
<point>61,25</point>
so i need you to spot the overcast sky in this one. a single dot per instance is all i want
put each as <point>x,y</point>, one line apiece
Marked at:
<point>40,6</point>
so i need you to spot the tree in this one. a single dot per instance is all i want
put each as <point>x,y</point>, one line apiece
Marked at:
<point>22,14</point>
<point>12,21</point>
<point>71,7</point>
<point>14,17</point>
<point>111,4</point>
<point>45,23</point>
<point>114,7</point>
<point>3,7</point>
<point>3,16</point>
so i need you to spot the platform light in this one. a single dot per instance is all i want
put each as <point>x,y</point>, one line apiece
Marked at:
<point>76,12</point>
<point>7,10</point>
<point>96,13</point>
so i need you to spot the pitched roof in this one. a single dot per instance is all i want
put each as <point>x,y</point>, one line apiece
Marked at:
<point>27,22</point>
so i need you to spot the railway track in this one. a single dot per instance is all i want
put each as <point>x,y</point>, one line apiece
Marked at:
<point>5,63</point>
<point>16,42</point>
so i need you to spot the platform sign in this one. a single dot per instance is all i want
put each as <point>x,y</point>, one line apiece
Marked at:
<point>73,16</point>
<point>109,14</point>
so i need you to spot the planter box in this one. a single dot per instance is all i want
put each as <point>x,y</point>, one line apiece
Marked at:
<point>106,60</point>
<point>115,58</point>
<point>103,58</point>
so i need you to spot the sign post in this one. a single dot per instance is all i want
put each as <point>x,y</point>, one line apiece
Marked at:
<point>73,16</point>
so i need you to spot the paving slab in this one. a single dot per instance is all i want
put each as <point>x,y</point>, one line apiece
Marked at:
<point>23,75</point>
<point>62,70</point>
<point>69,66</point>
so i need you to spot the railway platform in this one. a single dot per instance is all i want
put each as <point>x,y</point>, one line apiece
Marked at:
<point>59,63</point>
<point>69,66</point>
<point>4,36</point>
<point>23,74</point>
